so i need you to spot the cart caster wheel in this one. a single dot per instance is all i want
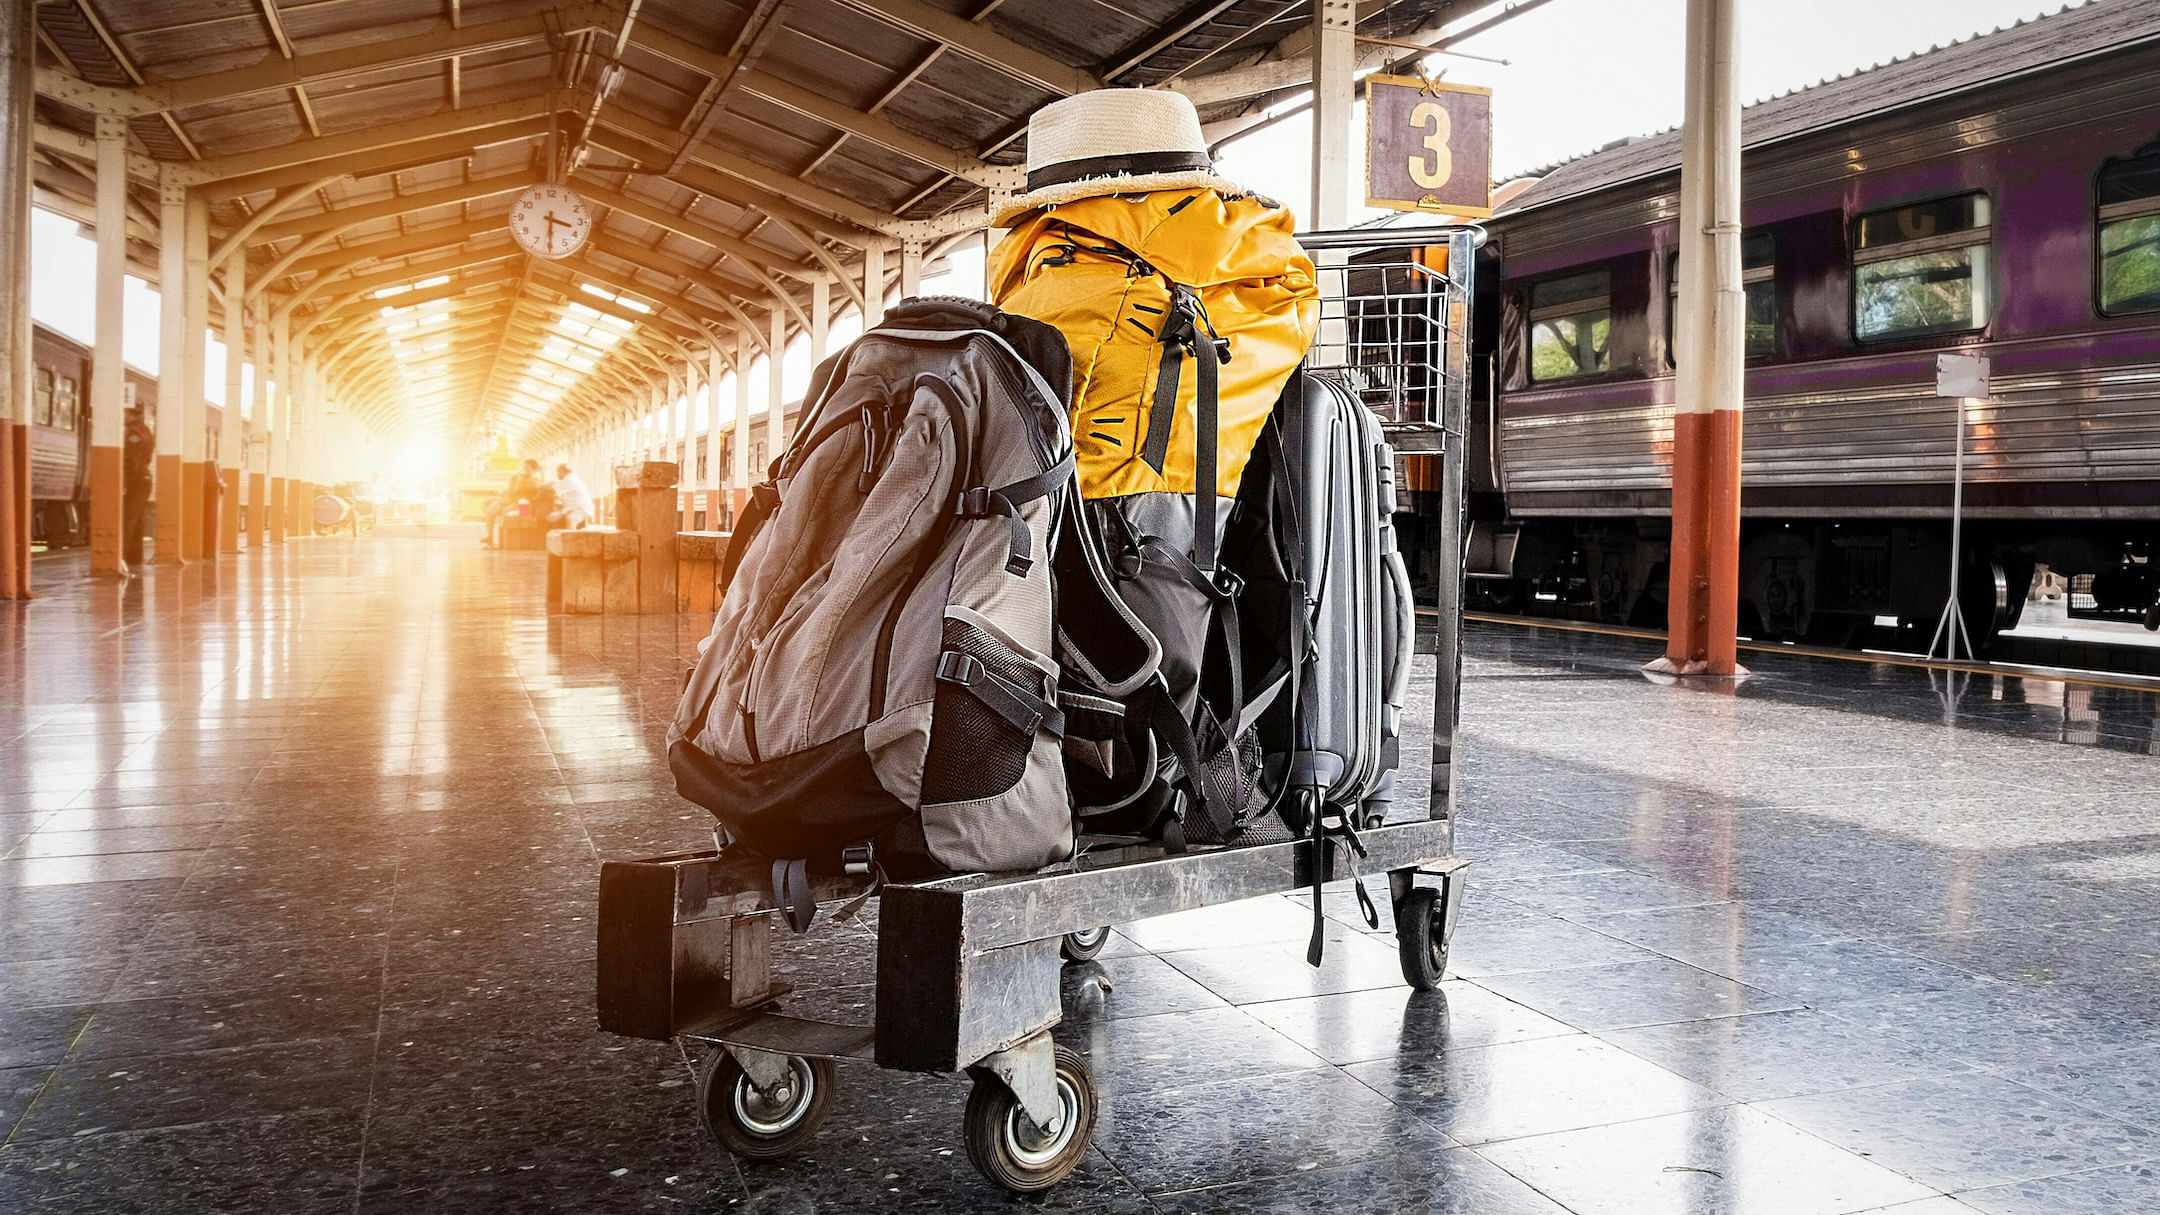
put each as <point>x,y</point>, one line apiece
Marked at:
<point>1083,946</point>
<point>1010,1150</point>
<point>764,1126</point>
<point>1421,938</point>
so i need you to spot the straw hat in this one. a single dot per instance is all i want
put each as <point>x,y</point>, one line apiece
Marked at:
<point>1111,141</point>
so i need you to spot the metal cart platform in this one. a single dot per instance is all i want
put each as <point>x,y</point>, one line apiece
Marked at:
<point>967,968</point>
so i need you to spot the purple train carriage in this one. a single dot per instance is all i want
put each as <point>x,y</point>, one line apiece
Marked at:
<point>2000,196</point>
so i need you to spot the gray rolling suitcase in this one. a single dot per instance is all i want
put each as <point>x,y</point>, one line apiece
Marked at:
<point>1350,695</point>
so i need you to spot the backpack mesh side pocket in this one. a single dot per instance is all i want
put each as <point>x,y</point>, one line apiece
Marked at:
<point>974,751</point>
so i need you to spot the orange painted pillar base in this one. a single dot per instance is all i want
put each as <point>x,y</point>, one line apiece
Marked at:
<point>107,508</point>
<point>194,516</point>
<point>258,513</point>
<point>276,504</point>
<point>1703,603</point>
<point>229,511</point>
<point>167,547</point>
<point>14,511</point>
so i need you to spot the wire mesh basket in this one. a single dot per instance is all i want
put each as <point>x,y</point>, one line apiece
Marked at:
<point>1395,325</point>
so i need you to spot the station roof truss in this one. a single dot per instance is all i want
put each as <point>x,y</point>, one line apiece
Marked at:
<point>362,156</point>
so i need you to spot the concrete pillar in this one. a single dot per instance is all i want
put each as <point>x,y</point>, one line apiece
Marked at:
<point>18,99</point>
<point>108,372</point>
<point>231,451</point>
<point>873,265</point>
<point>776,435</point>
<point>1334,55</point>
<point>172,368</point>
<point>196,476</point>
<point>257,461</point>
<point>911,258</point>
<point>739,465</point>
<point>1710,357</point>
<point>715,475</point>
<point>820,319</point>
<point>280,434</point>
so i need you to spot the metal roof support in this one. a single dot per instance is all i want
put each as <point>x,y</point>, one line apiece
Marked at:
<point>372,139</point>
<point>981,43</point>
<point>385,157</point>
<point>276,72</point>
<point>758,260</point>
<point>237,238</point>
<point>820,319</point>
<point>106,477</point>
<point>342,218</point>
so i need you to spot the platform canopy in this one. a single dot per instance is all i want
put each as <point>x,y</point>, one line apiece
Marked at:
<point>362,155</point>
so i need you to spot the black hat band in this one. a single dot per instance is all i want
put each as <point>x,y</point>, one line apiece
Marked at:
<point>1132,165</point>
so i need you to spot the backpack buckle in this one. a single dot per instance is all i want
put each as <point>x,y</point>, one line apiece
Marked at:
<point>1228,584</point>
<point>855,860</point>
<point>975,503</point>
<point>957,668</point>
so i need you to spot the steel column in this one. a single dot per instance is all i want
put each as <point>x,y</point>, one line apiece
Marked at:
<point>257,460</point>
<point>1334,56</point>
<point>108,370</point>
<point>172,368</point>
<point>715,476</point>
<point>873,266</point>
<point>277,435</point>
<point>18,100</point>
<point>739,466</point>
<point>230,455</point>
<point>1709,353</point>
<point>820,319</point>
<point>776,435</point>
<point>196,476</point>
<point>911,259</point>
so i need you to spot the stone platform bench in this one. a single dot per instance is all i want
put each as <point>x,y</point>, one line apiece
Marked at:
<point>697,570</point>
<point>592,571</point>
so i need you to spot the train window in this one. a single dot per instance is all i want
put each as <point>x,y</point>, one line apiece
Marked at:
<point>44,398</point>
<point>2130,235</point>
<point>1758,277</point>
<point>1922,269</point>
<point>1570,326</point>
<point>64,404</point>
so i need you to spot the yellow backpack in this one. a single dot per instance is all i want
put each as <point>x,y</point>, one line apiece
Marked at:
<point>1135,282</point>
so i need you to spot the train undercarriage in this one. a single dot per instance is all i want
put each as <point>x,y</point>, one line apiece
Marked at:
<point>1875,583</point>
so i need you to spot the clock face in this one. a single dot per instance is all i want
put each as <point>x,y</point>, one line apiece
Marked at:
<point>550,221</point>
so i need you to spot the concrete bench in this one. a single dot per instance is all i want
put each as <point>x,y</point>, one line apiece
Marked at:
<point>523,533</point>
<point>592,571</point>
<point>697,570</point>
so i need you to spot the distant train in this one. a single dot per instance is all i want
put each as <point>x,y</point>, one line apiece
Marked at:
<point>2000,196</point>
<point>60,435</point>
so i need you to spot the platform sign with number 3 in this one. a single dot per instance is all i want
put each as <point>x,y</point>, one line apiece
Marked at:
<point>1428,146</point>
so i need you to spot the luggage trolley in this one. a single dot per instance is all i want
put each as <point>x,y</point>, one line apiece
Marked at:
<point>967,969</point>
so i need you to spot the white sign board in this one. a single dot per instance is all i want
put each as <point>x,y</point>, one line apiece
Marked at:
<point>1961,375</point>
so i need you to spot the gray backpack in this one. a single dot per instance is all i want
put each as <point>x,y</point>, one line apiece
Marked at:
<point>881,683</point>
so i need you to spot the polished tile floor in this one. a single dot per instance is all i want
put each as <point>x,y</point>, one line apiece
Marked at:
<point>297,867</point>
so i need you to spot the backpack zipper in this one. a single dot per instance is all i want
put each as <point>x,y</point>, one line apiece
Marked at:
<point>881,657</point>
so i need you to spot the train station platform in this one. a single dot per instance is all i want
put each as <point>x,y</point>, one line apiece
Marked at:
<point>298,860</point>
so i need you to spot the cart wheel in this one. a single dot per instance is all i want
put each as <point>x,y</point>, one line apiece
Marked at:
<point>1421,938</point>
<point>764,1126</point>
<point>1010,1150</point>
<point>1083,946</point>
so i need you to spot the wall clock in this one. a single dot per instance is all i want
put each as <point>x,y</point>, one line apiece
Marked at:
<point>550,221</point>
